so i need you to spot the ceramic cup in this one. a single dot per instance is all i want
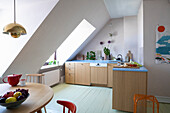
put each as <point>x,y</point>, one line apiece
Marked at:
<point>22,82</point>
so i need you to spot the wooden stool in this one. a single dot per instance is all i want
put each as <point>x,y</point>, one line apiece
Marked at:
<point>36,78</point>
<point>138,97</point>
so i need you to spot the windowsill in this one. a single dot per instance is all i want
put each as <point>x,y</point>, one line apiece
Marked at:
<point>49,66</point>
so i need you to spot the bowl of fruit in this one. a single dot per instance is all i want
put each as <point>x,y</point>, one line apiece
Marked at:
<point>13,99</point>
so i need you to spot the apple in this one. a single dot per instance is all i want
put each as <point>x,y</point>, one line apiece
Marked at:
<point>8,94</point>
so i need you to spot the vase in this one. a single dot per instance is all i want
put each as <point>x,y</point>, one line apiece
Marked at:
<point>106,57</point>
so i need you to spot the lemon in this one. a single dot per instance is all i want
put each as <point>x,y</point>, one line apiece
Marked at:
<point>10,99</point>
<point>16,94</point>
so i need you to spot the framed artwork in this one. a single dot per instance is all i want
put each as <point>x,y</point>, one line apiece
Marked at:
<point>162,44</point>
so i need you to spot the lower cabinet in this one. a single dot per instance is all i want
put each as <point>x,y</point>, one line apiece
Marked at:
<point>125,85</point>
<point>69,73</point>
<point>82,73</point>
<point>110,74</point>
<point>99,75</point>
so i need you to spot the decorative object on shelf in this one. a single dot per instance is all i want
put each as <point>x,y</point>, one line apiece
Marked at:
<point>80,57</point>
<point>162,44</point>
<point>99,55</point>
<point>91,55</point>
<point>129,56</point>
<point>107,53</point>
<point>14,29</point>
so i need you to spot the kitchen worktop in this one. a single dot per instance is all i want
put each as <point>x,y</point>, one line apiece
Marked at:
<point>94,61</point>
<point>141,69</point>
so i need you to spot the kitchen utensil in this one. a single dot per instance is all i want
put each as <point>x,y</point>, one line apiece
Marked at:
<point>13,80</point>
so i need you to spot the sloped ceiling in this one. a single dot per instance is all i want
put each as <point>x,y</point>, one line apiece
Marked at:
<point>30,14</point>
<point>62,20</point>
<point>122,8</point>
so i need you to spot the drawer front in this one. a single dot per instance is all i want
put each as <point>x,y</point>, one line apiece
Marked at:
<point>69,65</point>
<point>69,78</point>
<point>69,70</point>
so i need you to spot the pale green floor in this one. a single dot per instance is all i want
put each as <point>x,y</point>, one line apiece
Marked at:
<point>88,99</point>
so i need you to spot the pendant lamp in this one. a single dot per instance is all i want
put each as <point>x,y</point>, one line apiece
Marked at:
<point>14,29</point>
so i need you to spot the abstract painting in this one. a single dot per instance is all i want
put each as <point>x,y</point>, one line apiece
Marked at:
<point>162,44</point>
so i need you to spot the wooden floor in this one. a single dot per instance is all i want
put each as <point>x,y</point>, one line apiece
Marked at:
<point>88,99</point>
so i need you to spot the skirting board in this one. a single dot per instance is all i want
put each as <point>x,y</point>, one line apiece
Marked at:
<point>162,99</point>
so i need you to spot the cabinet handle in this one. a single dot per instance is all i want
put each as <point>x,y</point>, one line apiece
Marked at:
<point>81,64</point>
<point>69,73</point>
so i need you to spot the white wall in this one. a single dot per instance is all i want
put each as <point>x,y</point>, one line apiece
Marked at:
<point>131,36</point>
<point>140,33</point>
<point>116,47</point>
<point>29,14</point>
<point>155,12</point>
<point>124,38</point>
<point>63,19</point>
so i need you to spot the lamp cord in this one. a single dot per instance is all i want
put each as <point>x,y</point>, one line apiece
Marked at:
<point>14,13</point>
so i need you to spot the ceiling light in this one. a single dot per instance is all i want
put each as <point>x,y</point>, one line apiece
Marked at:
<point>14,29</point>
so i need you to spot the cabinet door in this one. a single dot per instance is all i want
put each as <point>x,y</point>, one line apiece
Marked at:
<point>94,75</point>
<point>82,73</point>
<point>99,75</point>
<point>110,74</point>
<point>102,75</point>
<point>69,73</point>
<point>125,85</point>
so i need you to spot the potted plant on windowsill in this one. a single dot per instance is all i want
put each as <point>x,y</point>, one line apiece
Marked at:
<point>107,53</point>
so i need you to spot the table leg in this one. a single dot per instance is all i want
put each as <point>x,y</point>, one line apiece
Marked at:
<point>39,111</point>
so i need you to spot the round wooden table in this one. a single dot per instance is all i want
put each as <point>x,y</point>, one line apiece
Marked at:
<point>40,95</point>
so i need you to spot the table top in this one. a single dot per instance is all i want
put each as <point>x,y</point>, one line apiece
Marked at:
<point>40,95</point>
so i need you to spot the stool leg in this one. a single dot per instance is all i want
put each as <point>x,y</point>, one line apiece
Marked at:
<point>135,106</point>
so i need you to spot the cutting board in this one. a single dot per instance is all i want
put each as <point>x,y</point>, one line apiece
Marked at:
<point>125,67</point>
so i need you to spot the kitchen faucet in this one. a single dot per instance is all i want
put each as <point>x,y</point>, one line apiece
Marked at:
<point>119,57</point>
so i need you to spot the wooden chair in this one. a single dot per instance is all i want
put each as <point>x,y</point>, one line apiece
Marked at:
<point>71,106</point>
<point>138,97</point>
<point>36,78</point>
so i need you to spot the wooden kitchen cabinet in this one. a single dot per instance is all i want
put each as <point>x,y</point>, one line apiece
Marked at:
<point>70,72</point>
<point>99,75</point>
<point>82,73</point>
<point>110,74</point>
<point>125,85</point>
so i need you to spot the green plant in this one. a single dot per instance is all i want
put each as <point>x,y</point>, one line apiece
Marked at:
<point>91,55</point>
<point>106,51</point>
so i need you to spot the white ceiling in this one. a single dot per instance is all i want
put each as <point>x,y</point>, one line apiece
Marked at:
<point>121,8</point>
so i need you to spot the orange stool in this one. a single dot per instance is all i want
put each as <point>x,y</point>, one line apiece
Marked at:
<point>138,97</point>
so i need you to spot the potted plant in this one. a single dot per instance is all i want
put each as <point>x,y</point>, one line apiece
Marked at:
<point>91,55</point>
<point>107,53</point>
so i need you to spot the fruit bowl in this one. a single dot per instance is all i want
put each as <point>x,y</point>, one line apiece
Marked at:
<point>13,99</point>
<point>13,104</point>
